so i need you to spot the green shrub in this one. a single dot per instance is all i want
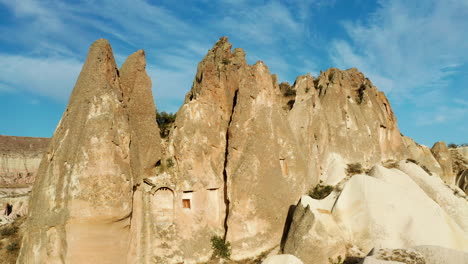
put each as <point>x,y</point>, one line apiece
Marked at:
<point>360,96</point>
<point>220,247</point>
<point>170,163</point>
<point>13,246</point>
<point>8,231</point>
<point>287,90</point>
<point>320,191</point>
<point>226,61</point>
<point>354,168</point>
<point>165,121</point>
<point>390,164</point>
<point>338,260</point>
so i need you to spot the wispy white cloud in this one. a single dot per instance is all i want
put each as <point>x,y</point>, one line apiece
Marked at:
<point>405,47</point>
<point>262,23</point>
<point>441,114</point>
<point>54,26</point>
<point>51,77</point>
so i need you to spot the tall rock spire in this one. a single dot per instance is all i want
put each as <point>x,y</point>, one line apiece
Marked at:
<point>82,199</point>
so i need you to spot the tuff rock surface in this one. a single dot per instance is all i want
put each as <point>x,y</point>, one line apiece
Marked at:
<point>19,159</point>
<point>242,151</point>
<point>81,201</point>
<point>443,156</point>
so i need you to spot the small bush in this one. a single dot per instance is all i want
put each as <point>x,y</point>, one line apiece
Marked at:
<point>221,248</point>
<point>338,260</point>
<point>287,90</point>
<point>320,191</point>
<point>8,231</point>
<point>290,92</point>
<point>360,96</point>
<point>165,121</point>
<point>354,168</point>
<point>226,61</point>
<point>13,246</point>
<point>412,160</point>
<point>307,89</point>
<point>390,164</point>
<point>170,163</point>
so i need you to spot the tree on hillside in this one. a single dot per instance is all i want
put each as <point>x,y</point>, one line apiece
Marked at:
<point>165,121</point>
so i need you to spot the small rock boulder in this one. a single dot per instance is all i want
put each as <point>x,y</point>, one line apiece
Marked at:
<point>314,235</point>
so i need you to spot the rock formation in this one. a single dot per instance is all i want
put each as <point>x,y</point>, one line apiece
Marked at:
<point>242,151</point>
<point>82,199</point>
<point>443,156</point>
<point>459,157</point>
<point>19,159</point>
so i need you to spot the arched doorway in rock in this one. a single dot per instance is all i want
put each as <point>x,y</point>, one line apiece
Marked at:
<point>163,205</point>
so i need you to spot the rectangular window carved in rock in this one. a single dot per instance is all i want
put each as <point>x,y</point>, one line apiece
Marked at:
<point>186,203</point>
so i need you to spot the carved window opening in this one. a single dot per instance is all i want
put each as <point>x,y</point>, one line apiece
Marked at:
<point>186,203</point>
<point>187,199</point>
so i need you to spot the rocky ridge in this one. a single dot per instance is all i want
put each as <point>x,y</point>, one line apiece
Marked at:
<point>240,155</point>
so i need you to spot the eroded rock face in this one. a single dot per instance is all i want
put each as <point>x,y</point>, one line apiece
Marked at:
<point>241,153</point>
<point>459,157</point>
<point>314,236</point>
<point>19,159</point>
<point>422,155</point>
<point>338,111</point>
<point>264,153</point>
<point>442,155</point>
<point>360,211</point>
<point>145,153</point>
<point>82,199</point>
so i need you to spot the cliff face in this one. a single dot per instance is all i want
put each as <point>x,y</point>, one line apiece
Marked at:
<point>241,153</point>
<point>82,199</point>
<point>20,158</point>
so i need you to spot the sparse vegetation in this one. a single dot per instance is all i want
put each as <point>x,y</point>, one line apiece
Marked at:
<point>412,160</point>
<point>8,231</point>
<point>390,164</point>
<point>360,96</point>
<point>452,145</point>
<point>226,61</point>
<point>339,260</point>
<point>169,163</point>
<point>287,90</point>
<point>165,121</point>
<point>320,191</point>
<point>13,246</point>
<point>221,248</point>
<point>354,168</point>
<point>307,89</point>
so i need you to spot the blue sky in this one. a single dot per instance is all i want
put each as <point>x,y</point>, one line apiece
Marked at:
<point>415,51</point>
